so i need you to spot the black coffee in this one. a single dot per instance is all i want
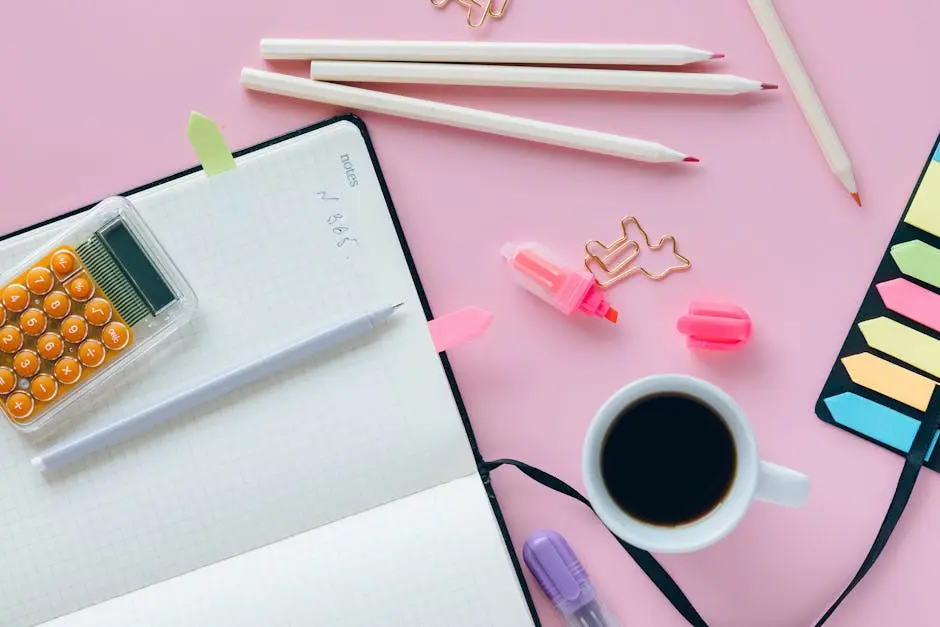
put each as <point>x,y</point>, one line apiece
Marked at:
<point>668,460</point>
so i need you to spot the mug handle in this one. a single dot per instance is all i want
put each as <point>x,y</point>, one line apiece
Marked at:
<point>782,486</point>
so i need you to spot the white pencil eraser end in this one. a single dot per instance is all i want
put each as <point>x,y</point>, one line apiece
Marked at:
<point>38,464</point>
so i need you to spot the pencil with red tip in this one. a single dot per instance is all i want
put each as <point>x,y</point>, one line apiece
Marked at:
<point>456,116</point>
<point>534,77</point>
<point>568,290</point>
<point>502,52</point>
<point>805,93</point>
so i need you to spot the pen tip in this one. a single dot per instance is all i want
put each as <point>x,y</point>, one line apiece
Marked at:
<point>769,86</point>
<point>612,315</point>
<point>399,305</point>
<point>692,159</point>
<point>858,199</point>
<point>718,55</point>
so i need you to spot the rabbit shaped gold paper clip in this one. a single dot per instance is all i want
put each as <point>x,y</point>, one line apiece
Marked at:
<point>612,263</point>
<point>478,10</point>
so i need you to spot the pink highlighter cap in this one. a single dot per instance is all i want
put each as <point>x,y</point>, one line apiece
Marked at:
<point>537,270</point>
<point>715,326</point>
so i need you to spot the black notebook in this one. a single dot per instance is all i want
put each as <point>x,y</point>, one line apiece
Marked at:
<point>344,492</point>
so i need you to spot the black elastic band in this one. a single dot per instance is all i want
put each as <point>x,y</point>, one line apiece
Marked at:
<point>667,585</point>
<point>644,560</point>
<point>902,494</point>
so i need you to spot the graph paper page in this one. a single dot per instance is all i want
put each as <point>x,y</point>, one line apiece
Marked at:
<point>340,434</point>
<point>430,560</point>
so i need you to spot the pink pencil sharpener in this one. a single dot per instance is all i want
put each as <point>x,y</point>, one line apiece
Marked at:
<point>715,326</point>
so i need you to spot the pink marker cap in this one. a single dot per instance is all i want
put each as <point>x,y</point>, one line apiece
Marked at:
<point>715,326</point>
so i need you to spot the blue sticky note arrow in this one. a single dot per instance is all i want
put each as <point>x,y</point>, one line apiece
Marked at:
<point>876,421</point>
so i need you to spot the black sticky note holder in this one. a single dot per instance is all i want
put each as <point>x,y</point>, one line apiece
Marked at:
<point>872,306</point>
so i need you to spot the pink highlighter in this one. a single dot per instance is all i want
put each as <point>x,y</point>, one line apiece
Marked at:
<point>568,290</point>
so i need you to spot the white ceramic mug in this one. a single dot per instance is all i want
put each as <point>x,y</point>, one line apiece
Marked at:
<point>753,479</point>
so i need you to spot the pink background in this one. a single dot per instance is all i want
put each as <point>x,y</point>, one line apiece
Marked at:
<point>96,97</point>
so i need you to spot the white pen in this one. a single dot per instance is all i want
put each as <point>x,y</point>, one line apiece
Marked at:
<point>550,53</point>
<point>461,117</point>
<point>534,77</point>
<point>123,430</point>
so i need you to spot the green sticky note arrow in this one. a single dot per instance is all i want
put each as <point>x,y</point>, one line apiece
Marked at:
<point>209,145</point>
<point>918,260</point>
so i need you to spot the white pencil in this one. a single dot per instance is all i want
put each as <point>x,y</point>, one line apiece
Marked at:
<point>483,52</point>
<point>539,77</point>
<point>460,117</point>
<point>805,94</point>
<point>123,430</point>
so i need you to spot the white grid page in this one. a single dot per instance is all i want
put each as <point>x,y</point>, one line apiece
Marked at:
<point>434,559</point>
<point>345,432</point>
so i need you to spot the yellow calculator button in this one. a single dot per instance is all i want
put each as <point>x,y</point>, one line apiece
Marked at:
<point>26,363</point>
<point>44,388</point>
<point>39,280</point>
<point>10,339</point>
<point>33,322</point>
<point>7,380</point>
<point>50,346</point>
<point>15,297</point>
<point>68,370</point>
<point>98,311</point>
<point>91,353</point>
<point>57,305</point>
<point>63,263</point>
<point>115,335</point>
<point>74,329</point>
<point>20,405</point>
<point>80,288</point>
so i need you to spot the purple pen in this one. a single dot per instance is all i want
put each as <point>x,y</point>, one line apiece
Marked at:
<point>564,581</point>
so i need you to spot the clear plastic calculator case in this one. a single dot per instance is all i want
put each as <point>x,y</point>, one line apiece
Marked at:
<point>82,308</point>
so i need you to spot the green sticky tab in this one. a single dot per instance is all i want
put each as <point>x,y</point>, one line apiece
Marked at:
<point>209,145</point>
<point>918,260</point>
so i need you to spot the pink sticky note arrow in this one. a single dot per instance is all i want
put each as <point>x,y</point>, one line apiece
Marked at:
<point>911,301</point>
<point>459,327</point>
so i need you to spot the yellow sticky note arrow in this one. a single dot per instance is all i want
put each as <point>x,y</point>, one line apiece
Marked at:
<point>209,145</point>
<point>889,379</point>
<point>925,208</point>
<point>904,343</point>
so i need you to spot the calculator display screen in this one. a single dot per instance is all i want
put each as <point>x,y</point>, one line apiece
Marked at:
<point>137,266</point>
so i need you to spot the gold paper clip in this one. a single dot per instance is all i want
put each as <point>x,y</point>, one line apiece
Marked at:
<point>613,260</point>
<point>478,10</point>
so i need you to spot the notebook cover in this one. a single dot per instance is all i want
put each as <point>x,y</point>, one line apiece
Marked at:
<point>415,277</point>
<point>873,307</point>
